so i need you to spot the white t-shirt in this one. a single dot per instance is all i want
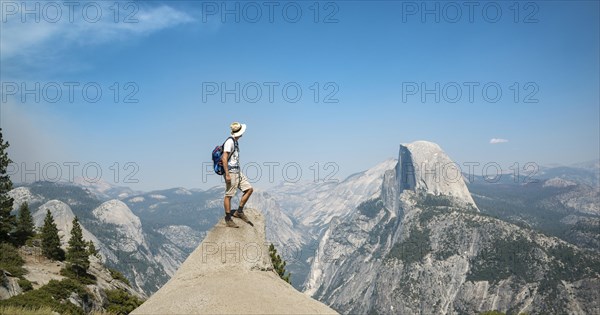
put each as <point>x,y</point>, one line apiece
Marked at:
<point>234,161</point>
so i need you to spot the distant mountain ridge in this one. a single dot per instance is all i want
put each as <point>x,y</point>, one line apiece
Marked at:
<point>418,249</point>
<point>301,215</point>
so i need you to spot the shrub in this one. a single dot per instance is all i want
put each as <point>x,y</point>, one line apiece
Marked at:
<point>11,261</point>
<point>121,302</point>
<point>26,310</point>
<point>83,279</point>
<point>25,285</point>
<point>53,295</point>
<point>115,274</point>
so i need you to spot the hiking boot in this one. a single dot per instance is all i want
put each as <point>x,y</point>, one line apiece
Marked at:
<point>241,215</point>
<point>231,224</point>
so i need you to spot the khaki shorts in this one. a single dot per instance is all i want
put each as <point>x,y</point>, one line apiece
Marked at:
<point>238,180</point>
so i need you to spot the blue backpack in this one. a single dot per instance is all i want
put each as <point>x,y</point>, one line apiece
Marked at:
<point>218,153</point>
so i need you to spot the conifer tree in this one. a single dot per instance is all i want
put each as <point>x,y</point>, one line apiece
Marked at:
<point>91,248</point>
<point>279,264</point>
<point>25,226</point>
<point>7,220</point>
<point>77,253</point>
<point>50,240</point>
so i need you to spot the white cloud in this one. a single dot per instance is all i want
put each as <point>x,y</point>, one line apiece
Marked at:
<point>34,41</point>
<point>498,140</point>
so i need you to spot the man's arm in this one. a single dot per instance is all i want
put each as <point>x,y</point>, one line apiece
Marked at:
<point>224,160</point>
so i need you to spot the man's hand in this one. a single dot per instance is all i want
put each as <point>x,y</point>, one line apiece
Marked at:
<point>228,178</point>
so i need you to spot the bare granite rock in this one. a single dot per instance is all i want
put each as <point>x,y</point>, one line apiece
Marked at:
<point>231,273</point>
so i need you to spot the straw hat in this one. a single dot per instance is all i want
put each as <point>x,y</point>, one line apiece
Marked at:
<point>237,129</point>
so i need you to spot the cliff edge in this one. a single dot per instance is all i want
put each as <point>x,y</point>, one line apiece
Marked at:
<point>231,273</point>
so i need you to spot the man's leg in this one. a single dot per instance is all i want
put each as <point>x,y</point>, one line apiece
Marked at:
<point>229,192</point>
<point>227,204</point>
<point>244,186</point>
<point>245,197</point>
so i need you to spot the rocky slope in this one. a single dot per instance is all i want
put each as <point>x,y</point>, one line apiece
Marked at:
<point>115,230</point>
<point>41,271</point>
<point>422,246</point>
<point>568,209</point>
<point>63,217</point>
<point>230,273</point>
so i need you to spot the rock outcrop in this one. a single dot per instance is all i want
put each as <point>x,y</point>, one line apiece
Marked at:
<point>422,247</point>
<point>231,273</point>
<point>63,217</point>
<point>424,167</point>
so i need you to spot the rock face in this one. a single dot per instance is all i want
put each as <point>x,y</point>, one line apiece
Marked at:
<point>422,246</point>
<point>63,217</point>
<point>21,195</point>
<point>128,225</point>
<point>230,273</point>
<point>9,285</point>
<point>424,167</point>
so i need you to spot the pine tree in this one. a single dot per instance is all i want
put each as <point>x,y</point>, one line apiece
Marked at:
<point>77,254</point>
<point>91,248</point>
<point>50,240</point>
<point>279,264</point>
<point>25,226</point>
<point>7,220</point>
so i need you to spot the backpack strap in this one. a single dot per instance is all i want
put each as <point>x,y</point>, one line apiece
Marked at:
<point>235,147</point>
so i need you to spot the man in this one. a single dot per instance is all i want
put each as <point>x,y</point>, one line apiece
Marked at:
<point>234,178</point>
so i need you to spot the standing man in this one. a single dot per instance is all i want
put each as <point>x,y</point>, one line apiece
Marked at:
<point>234,178</point>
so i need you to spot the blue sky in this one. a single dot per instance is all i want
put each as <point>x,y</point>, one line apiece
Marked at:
<point>368,59</point>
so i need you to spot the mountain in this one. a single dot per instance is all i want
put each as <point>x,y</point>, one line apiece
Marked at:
<point>585,173</point>
<point>104,190</point>
<point>43,285</point>
<point>230,273</point>
<point>115,230</point>
<point>421,245</point>
<point>565,208</point>
<point>63,217</point>
<point>315,204</point>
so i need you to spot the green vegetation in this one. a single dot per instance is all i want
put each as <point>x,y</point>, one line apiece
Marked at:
<point>25,227</point>
<point>498,313</point>
<point>371,208</point>
<point>418,245</point>
<point>412,249</point>
<point>121,302</point>
<point>279,264</point>
<point>26,310</point>
<point>535,206</point>
<point>7,220</point>
<point>115,274</point>
<point>53,295</point>
<point>11,261</point>
<point>566,257</point>
<point>50,240</point>
<point>25,284</point>
<point>91,249</point>
<point>77,253</point>
<point>505,258</point>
